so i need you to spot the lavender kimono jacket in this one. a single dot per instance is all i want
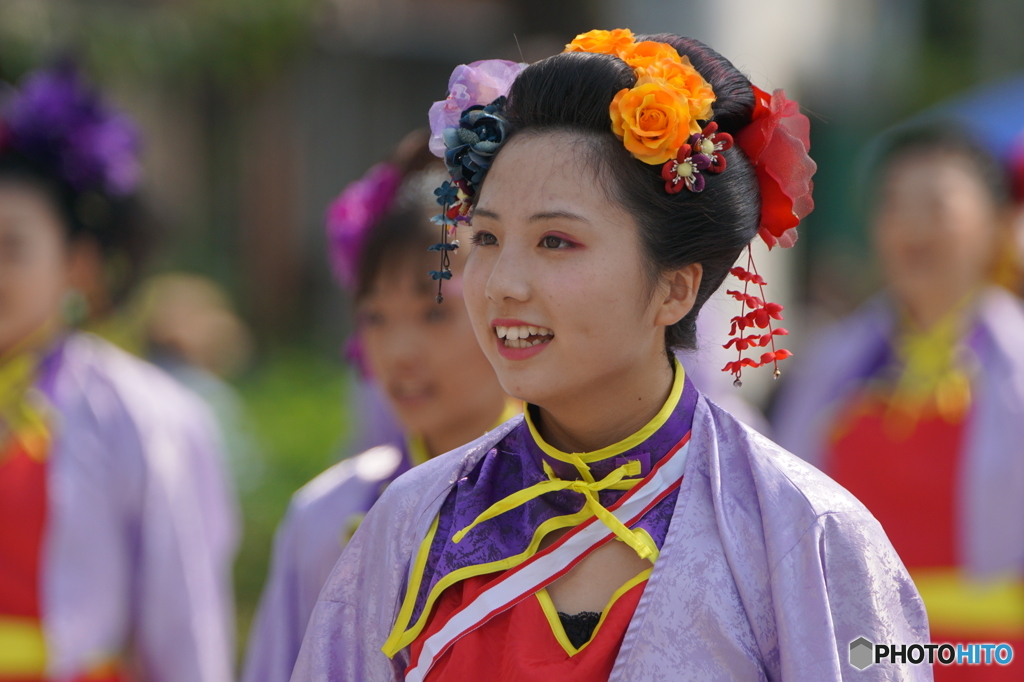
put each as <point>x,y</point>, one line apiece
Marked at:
<point>768,572</point>
<point>141,522</point>
<point>991,526</point>
<point>320,519</point>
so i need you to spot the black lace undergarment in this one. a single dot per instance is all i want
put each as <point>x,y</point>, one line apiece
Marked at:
<point>579,627</point>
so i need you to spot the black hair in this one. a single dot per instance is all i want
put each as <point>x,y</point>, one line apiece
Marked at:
<point>405,230</point>
<point>573,91</point>
<point>119,225</point>
<point>402,234</point>
<point>939,137</point>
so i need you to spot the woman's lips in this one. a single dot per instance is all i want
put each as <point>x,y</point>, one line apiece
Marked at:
<point>410,396</point>
<point>518,340</point>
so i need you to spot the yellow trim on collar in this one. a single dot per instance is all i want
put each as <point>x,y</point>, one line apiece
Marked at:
<point>417,448</point>
<point>404,633</point>
<point>401,637</point>
<point>558,630</point>
<point>623,445</point>
<point>512,408</point>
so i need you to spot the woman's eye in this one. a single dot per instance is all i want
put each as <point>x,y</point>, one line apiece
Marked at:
<point>553,242</point>
<point>482,238</point>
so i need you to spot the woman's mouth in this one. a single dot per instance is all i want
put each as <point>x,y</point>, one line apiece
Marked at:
<point>523,336</point>
<point>517,340</point>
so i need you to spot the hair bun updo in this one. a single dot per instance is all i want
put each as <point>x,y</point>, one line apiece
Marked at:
<point>573,91</point>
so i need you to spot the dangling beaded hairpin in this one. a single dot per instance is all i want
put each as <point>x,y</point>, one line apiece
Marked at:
<point>467,130</point>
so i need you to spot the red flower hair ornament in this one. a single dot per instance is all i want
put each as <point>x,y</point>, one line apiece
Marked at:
<point>777,142</point>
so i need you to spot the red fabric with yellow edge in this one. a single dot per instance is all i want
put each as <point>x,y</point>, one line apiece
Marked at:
<point>23,505</point>
<point>910,483</point>
<point>518,645</point>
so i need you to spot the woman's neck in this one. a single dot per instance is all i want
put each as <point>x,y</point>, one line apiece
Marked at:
<point>925,315</point>
<point>599,416</point>
<point>468,429</point>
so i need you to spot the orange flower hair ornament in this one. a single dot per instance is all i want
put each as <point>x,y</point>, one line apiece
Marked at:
<point>659,122</point>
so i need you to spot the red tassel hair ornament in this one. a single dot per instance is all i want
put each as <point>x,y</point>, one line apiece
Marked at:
<point>752,328</point>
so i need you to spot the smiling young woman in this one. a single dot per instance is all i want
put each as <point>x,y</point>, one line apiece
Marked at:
<point>624,527</point>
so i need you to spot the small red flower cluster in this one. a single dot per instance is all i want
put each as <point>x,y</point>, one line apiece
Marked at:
<point>760,316</point>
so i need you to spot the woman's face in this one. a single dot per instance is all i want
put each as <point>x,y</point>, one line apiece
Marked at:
<point>936,230</point>
<point>34,262</point>
<point>556,261</point>
<point>423,354</point>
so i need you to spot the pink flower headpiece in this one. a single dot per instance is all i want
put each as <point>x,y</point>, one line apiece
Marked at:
<point>350,218</point>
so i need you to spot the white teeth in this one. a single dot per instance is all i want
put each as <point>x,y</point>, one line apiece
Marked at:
<point>514,335</point>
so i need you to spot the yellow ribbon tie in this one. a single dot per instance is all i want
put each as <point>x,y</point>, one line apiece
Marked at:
<point>589,488</point>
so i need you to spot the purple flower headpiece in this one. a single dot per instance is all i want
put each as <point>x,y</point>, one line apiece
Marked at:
<point>56,121</point>
<point>467,129</point>
<point>350,218</point>
<point>479,83</point>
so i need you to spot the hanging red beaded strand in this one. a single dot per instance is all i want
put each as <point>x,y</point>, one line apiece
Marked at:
<point>761,314</point>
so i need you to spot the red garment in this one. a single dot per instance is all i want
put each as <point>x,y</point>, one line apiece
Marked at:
<point>22,519</point>
<point>519,645</point>
<point>23,504</point>
<point>910,483</point>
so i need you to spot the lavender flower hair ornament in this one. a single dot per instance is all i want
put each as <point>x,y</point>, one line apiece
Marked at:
<point>56,121</point>
<point>467,130</point>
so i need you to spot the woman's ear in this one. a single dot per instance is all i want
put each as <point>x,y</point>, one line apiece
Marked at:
<point>682,286</point>
<point>86,273</point>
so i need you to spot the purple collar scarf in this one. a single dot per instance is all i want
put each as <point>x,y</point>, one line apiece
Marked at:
<point>518,462</point>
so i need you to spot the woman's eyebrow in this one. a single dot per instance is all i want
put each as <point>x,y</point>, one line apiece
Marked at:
<point>557,215</point>
<point>544,215</point>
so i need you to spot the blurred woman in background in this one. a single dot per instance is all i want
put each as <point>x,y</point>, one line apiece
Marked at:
<point>117,524</point>
<point>916,403</point>
<point>423,358</point>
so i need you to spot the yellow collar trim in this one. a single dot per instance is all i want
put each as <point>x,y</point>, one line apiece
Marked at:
<point>511,409</point>
<point>417,448</point>
<point>558,630</point>
<point>623,445</point>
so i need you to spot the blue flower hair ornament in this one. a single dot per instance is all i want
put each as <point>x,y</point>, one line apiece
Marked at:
<point>469,152</point>
<point>470,148</point>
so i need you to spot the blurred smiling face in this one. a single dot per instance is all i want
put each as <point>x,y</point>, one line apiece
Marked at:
<point>423,354</point>
<point>555,281</point>
<point>33,262</point>
<point>935,230</point>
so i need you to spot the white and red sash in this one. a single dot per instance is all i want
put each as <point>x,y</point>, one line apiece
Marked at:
<point>552,563</point>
